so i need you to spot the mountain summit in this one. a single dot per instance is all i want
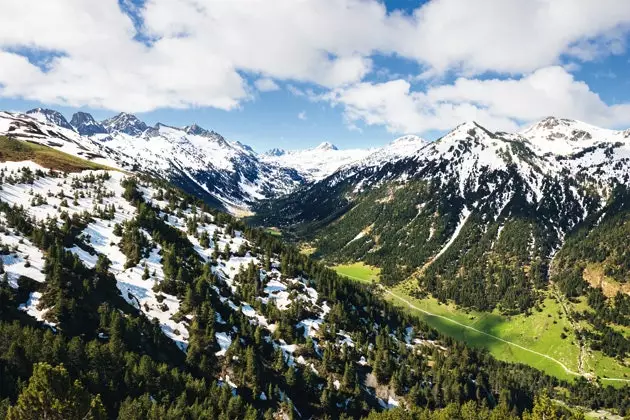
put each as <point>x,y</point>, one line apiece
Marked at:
<point>326,146</point>
<point>125,123</point>
<point>50,116</point>
<point>86,125</point>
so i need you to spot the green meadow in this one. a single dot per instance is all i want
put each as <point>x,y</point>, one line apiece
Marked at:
<point>358,271</point>
<point>545,339</point>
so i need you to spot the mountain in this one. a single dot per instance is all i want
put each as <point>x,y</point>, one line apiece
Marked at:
<point>123,297</point>
<point>563,137</point>
<point>472,199</point>
<point>326,146</point>
<point>50,116</point>
<point>228,175</point>
<point>275,152</point>
<point>316,163</point>
<point>126,124</point>
<point>86,125</point>
<point>196,130</point>
<point>37,127</point>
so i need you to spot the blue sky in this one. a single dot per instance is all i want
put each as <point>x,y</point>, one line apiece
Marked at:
<point>356,73</point>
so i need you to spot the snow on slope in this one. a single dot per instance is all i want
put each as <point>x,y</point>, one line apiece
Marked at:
<point>324,160</point>
<point>401,148</point>
<point>229,171</point>
<point>50,116</point>
<point>201,161</point>
<point>36,127</point>
<point>317,163</point>
<point>45,198</point>
<point>562,137</point>
<point>470,150</point>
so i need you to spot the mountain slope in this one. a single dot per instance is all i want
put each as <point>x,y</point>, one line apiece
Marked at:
<point>36,128</point>
<point>202,162</point>
<point>228,175</point>
<point>499,202</point>
<point>161,307</point>
<point>50,116</point>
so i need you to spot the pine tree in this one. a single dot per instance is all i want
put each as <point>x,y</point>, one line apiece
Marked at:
<point>51,394</point>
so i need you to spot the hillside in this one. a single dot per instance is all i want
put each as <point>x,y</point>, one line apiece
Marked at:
<point>473,195</point>
<point>48,157</point>
<point>226,175</point>
<point>163,308</point>
<point>487,221</point>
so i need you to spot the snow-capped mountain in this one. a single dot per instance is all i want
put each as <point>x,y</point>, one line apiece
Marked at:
<point>275,152</point>
<point>560,136</point>
<point>202,161</point>
<point>86,125</point>
<point>226,174</point>
<point>50,116</point>
<point>326,146</point>
<point>316,163</point>
<point>126,124</point>
<point>470,173</point>
<point>472,195</point>
<point>400,148</point>
<point>36,126</point>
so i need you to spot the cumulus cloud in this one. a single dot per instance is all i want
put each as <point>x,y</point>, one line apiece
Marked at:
<point>511,36</point>
<point>196,53</point>
<point>302,116</point>
<point>499,104</point>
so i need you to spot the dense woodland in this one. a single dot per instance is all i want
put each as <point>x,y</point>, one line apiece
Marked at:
<point>105,359</point>
<point>601,244</point>
<point>498,259</point>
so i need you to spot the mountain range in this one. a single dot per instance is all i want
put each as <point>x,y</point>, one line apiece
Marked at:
<point>228,175</point>
<point>121,269</point>
<point>476,216</point>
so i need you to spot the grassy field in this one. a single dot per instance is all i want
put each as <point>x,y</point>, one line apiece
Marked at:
<point>358,271</point>
<point>17,150</point>
<point>274,231</point>
<point>540,332</point>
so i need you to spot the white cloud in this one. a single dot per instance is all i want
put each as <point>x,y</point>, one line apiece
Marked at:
<point>511,36</point>
<point>497,104</point>
<point>302,116</point>
<point>266,85</point>
<point>199,52</point>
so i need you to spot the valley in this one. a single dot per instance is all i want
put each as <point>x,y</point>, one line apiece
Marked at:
<point>534,340</point>
<point>245,300</point>
<point>315,210</point>
<point>516,231</point>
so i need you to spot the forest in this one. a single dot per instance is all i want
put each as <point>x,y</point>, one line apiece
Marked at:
<point>97,355</point>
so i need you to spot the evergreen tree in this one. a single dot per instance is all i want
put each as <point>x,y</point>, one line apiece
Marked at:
<point>51,394</point>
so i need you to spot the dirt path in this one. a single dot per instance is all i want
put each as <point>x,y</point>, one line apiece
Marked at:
<point>582,354</point>
<point>566,369</point>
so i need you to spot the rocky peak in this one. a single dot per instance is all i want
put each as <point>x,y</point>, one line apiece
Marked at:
<point>50,116</point>
<point>276,152</point>
<point>86,125</point>
<point>125,123</point>
<point>326,146</point>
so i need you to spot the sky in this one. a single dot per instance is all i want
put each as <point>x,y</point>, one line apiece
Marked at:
<point>294,73</point>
